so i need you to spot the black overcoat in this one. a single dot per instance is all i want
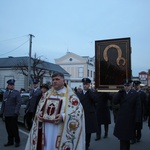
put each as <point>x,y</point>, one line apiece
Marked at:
<point>102,108</point>
<point>148,109</point>
<point>143,107</point>
<point>128,115</point>
<point>88,101</point>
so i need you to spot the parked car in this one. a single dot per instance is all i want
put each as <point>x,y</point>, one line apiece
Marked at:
<point>24,102</point>
<point>2,90</point>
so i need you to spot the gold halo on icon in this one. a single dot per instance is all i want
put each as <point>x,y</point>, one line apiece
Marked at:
<point>119,58</point>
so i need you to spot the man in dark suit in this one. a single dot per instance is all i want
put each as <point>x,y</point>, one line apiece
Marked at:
<point>10,109</point>
<point>88,101</point>
<point>148,110</point>
<point>35,96</point>
<point>138,127</point>
<point>128,114</point>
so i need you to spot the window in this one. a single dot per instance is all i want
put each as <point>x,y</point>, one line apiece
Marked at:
<point>80,72</point>
<point>88,73</point>
<point>70,59</point>
<point>91,73</point>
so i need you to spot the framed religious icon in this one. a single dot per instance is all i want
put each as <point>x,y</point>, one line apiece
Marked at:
<point>112,63</point>
<point>51,108</point>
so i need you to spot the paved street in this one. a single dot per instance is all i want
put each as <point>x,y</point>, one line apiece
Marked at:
<point>110,143</point>
<point>3,137</point>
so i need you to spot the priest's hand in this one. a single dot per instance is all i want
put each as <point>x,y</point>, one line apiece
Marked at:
<point>58,119</point>
<point>40,118</point>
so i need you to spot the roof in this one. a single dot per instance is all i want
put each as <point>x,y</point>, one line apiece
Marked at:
<point>14,61</point>
<point>71,53</point>
<point>142,72</point>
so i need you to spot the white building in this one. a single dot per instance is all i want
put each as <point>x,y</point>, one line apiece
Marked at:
<point>78,67</point>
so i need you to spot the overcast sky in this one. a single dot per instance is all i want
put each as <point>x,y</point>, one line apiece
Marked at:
<point>74,25</point>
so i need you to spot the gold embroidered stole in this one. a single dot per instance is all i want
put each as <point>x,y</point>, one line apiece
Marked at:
<point>72,127</point>
<point>33,136</point>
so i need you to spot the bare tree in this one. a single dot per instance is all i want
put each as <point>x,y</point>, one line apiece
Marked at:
<point>37,67</point>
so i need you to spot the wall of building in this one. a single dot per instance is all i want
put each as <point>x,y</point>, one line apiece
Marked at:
<point>6,74</point>
<point>78,67</point>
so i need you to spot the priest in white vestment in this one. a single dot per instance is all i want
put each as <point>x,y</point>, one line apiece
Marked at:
<point>53,130</point>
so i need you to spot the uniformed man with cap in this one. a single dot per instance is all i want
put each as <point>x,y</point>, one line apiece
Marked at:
<point>128,114</point>
<point>35,95</point>
<point>88,101</point>
<point>138,127</point>
<point>10,109</point>
<point>44,89</point>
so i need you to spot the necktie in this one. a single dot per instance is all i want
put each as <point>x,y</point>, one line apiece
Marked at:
<point>84,92</point>
<point>9,92</point>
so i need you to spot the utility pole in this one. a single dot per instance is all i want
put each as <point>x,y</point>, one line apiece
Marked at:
<point>29,62</point>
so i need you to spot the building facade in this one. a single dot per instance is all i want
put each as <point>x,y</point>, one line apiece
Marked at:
<point>78,67</point>
<point>143,76</point>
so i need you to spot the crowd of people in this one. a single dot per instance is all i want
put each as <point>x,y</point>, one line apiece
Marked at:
<point>59,117</point>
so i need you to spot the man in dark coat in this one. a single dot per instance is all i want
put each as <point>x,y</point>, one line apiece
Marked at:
<point>88,101</point>
<point>103,113</point>
<point>35,96</point>
<point>128,114</point>
<point>10,110</point>
<point>148,110</point>
<point>138,127</point>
